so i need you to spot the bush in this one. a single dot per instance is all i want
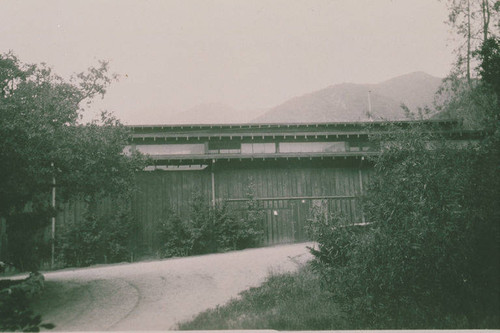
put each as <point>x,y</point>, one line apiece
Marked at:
<point>201,226</point>
<point>15,311</point>
<point>426,261</point>
<point>229,229</point>
<point>17,316</point>
<point>216,229</point>
<point>337,242</point>
<point>209,229</point>
<point>26,250</point>
<point>234,233</point>
<point>253,220</point>
<point>98,238</point>
<point>174,236</point>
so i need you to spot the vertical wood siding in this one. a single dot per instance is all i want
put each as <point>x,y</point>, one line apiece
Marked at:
<point>286,218</point>
<point>159,192</point>
<point>289,194</point>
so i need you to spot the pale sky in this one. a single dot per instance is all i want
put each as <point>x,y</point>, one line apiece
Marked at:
<point>248,54</point>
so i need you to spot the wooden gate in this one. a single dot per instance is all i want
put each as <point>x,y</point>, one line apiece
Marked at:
<point>287,220</point>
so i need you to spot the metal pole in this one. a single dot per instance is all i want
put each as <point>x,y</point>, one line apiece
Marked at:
<point>53,218</point>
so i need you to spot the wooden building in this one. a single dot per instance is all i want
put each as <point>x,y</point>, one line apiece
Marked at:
<point>293,167</point>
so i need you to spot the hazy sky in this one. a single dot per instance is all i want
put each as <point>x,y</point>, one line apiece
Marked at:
<point>173,55</point>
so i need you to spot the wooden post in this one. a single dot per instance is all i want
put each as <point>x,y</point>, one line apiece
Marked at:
<point>53,218</point>
<point>213,182</point>
<point>3,244</point>
<point>361,189</point>
<point>360,181</point>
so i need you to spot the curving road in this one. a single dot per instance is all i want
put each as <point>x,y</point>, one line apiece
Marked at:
<point>157,295</point>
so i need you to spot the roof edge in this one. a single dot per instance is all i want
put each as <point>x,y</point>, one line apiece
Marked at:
<point>229,125</point>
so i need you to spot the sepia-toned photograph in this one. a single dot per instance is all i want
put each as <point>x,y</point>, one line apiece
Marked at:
<point>235,165</point>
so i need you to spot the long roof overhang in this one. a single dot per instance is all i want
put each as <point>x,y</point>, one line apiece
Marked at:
<point>151,133</point>
<point>282,135</point>
<point>292,125</point>
<point>213,158</point>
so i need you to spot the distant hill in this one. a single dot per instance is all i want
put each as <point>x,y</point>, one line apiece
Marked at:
<point>340,102</point>
<point>349,102</point>
<point>213,113</point>
<point>414,90</point>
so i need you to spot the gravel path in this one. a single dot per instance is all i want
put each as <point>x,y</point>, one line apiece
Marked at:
<point>157,295</point>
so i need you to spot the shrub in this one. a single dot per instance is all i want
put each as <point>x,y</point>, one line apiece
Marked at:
<point>15,311</point>
<point>426,260</point>
<point>195,235</point>
<point>337,242</point>
<point>236,233</point>
<point>209,229</point>
<point>253,220</point>
<point>174,236</point>
<point>201,226</point>
<point>26,250</point>
<point>435,226</point>
<point>229,229</point>
<point>17,316</point>
<point>99,237</point>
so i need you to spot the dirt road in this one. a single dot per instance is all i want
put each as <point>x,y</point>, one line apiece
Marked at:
<point>157,295</point>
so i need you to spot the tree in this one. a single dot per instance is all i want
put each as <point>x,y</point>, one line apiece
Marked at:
<point>471,21</point>
<point>467,93</point>
<point>489,70</point>
<point>429,257</point>
<point>426,260</point>
<point>41,138</point>
<point>476,105</point>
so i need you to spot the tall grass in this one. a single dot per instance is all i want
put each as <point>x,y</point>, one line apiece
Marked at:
<point>291,301</point>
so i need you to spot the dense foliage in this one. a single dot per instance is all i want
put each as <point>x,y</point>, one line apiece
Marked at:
<point>473,22</point>
<point>429,258</point>
<point>42,140</point>
<point>102,236</point>
<point>27,251</point>
<point>15,311</point>
<point>174,236</point>
<point>210,229</point>
<point>17,316</point>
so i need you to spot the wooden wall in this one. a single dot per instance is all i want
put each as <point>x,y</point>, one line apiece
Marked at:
<point>289,191</point>
<point>158,192</point>
<point>286,191</point>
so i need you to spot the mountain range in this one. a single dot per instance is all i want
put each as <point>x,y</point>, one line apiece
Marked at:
<point>336,103</point>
